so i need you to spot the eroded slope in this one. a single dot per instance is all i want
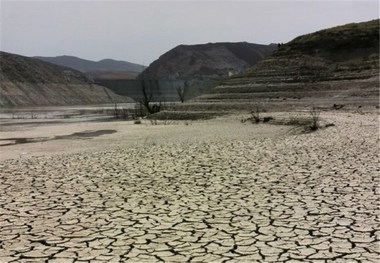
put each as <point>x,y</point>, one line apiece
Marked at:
<point>31,82</point>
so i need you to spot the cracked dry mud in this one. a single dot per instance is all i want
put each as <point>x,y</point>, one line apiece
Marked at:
<point>294,198</point>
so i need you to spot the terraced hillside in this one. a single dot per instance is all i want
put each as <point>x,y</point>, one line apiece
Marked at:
<point>337,66</point>
<point>199,67</point>
<point>208,60</point>
<point>30,82</point>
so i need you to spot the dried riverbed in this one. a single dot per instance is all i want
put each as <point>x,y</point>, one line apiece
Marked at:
<point>217,191</point>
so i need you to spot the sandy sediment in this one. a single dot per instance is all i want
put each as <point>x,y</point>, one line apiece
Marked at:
<point>240,193</point>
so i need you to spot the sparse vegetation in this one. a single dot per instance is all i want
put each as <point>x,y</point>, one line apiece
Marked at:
<point>314,114</point>
<point>124,113</point>
<point>334,42</point>
<point>308,121</point>
<point>116,112</point>
<point>158,122</point>
<point>293,121</point>
<point>256,114</point>
<point>338,106</point>
<point>153,121</point>
<point>186,115</point>
<point>268,119</point>
<point>119,113</point>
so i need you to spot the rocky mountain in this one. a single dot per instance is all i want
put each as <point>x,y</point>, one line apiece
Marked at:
<point>31,82</point>
<point>106,68</point>
<point>207,60</point>
<point>336,66</point>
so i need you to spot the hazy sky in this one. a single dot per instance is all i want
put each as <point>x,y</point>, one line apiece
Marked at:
<point>141,31</point>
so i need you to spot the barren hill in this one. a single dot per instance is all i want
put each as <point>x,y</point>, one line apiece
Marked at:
<point>105,68</point>
<point>339,65</point>
<point>208,60</point>
<point>199,67</point>
<point>31,82</point>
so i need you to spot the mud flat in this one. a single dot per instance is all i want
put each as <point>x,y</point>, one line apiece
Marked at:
<point>214,191</point>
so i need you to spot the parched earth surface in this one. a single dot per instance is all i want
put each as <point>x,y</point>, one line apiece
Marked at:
<point>286,198</point>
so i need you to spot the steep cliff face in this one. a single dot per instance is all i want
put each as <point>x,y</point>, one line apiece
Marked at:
<point>31,82</point>
<point>339,65</point>
<point>213,60</point>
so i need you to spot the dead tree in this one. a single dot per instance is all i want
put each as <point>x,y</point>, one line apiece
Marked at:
<point>181,93</point>
<point>181,89</point>
<point>147,89</point>
<point>147,95</point>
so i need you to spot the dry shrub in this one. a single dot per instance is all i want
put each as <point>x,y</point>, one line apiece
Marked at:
<point>314,115</point>
<point>256,114</point>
